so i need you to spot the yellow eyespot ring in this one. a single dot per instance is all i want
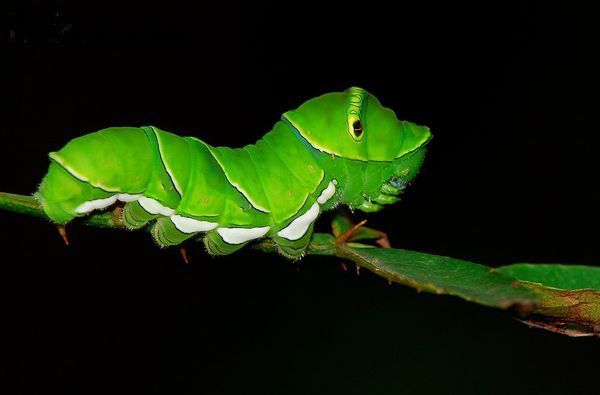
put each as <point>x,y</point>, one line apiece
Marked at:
<point>356,103</point>
<point>358,130</point>
<point>355,127</point>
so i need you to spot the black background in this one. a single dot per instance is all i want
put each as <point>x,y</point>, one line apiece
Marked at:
<point>509,93</point>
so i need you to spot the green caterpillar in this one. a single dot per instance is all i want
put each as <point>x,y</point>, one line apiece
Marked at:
<point>341,147</point>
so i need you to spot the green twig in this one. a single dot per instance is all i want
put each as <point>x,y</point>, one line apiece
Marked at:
<point>21,204</point>
<point>30,206</point>
<point>563,299</point>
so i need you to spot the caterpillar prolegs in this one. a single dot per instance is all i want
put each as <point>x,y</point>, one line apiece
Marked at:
<point>341,147</point>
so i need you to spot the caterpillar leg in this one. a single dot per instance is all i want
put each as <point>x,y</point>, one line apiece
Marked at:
<point>135,216</point>
<point>215,245</point>
<point>293,249</point>
<point>165,233</point>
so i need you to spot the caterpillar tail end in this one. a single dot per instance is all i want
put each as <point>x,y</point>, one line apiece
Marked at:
<point>53,210</point>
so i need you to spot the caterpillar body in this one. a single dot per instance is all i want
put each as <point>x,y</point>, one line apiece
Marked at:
<point>341,147</point>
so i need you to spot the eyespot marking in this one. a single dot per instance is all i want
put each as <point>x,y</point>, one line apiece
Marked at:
<point>358,129</point>
<point>357,99</point>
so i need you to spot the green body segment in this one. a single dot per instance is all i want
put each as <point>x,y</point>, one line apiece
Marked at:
<point>124,153</point>
<point>338,148</point>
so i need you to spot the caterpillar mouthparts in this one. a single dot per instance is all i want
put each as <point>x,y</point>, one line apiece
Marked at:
<point>397,183</point>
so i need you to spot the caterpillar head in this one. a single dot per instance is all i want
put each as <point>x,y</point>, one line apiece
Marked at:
<point>354,125</point>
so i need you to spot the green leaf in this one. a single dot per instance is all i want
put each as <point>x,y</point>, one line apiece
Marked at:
<point>569,277</point>
<point>443,275</point>
<point>569,297</point>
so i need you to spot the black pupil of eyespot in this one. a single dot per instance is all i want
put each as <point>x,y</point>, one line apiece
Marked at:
<point>358,130</point>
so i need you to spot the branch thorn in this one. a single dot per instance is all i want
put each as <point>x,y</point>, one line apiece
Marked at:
<point>62,231</point>
<point>184,255</point>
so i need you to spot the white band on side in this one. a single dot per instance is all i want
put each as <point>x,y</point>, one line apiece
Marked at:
<point>298,227</point>
<point>190,225</point>
<point>241,235</point>
<point>154,207</point>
